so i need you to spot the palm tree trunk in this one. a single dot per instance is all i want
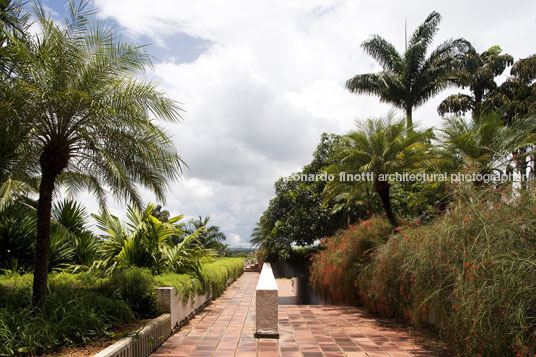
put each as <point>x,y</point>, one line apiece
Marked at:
<point>477,106</point>
<point>42,247</point>
<point>409,118</point>
<point>52,163</point>
<point>382,188</point>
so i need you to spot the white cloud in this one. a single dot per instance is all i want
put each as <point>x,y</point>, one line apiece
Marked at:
<point>272,80</point>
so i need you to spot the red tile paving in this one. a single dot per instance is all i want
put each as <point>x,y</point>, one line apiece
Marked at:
<point>227,325</point>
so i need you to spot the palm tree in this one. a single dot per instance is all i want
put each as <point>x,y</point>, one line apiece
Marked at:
<point>478,73</point>
<point>410,80</point>
<point>380,147</point>
<point>257,236</point>
<point>211,237</point>
<point>93,123</point>
<point>487,143</point>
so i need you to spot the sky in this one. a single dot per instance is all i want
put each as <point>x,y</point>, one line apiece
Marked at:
<point>260,80</point>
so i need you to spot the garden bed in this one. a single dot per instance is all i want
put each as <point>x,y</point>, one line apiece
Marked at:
<point>82,308</point>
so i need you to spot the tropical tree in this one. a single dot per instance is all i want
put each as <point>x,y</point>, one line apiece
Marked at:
<point>16,168</point>
<point>146,242</point>
<point>487,143</point>
<point>515,98</point>
<point>379,147</point>
<point>92,119</point>
<point>296,215</point>
<point>210,236</point>
<point>70,219</point>
<point>409,80</point>
<point>478,72</point>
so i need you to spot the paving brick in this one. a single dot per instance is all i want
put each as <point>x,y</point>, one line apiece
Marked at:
<point>226,327</point>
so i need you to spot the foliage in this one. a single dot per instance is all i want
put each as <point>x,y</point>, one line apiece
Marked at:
<point>379,147</point>
<point>478,72</point>
<point>215,275</point>
<point>71,315</point>
<point>71,243</point>
<point>135,286</point>
<point>210,236</point>
<point>335,268</point>
<point>147,242</point>
<point>409,80</point>
<point>297,215</point>
<point>212,278</point>
<point>469,275</point>
<point>82,307</point>
<point>486,143</point>
<point>515,98</point>
<point>17,238</point>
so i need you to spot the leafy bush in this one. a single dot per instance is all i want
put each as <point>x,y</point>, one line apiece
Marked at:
<point>215,275</point>
<point>84,306</point>
<point>135,286</point>
<point>71,315</point>
<point>335,268</point>
<point>211,278</point>
<point>469,275</point>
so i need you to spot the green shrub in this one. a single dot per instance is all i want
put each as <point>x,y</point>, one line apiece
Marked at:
<point>335,269</point>
<point>212,278</point>
<point>470,275</point>
<point>71,315</point>
<point>185,284</point>
<point>82,307</point>
<point>135,286</point>
<point>215,275</point>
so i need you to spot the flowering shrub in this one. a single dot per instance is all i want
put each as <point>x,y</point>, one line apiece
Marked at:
<point>471,275</point>
<point>334,270</point>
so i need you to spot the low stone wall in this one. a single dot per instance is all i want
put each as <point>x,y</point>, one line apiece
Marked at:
<point>174,312</point>
<point>266,301</point>
<point>168,300</point>
<point>143,343</point>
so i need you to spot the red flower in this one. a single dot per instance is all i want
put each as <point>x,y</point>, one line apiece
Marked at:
<point>398,229</point>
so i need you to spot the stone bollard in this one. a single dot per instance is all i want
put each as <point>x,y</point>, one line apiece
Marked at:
<point>266,304</point>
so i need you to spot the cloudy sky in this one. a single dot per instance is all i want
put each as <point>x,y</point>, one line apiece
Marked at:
<point>260,80</point>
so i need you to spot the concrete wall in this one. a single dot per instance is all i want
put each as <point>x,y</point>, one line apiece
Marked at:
<point>169,301</point>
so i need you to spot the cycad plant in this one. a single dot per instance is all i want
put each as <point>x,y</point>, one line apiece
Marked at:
<point>92,116</point>
<point>410,79</point>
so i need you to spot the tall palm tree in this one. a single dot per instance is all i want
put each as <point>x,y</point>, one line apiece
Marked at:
<point>478,73</point>
<point>410,80</point>
<point>380,147</point>
<point>93,124</point>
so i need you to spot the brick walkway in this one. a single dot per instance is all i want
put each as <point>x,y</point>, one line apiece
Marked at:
<point>227,325</point>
